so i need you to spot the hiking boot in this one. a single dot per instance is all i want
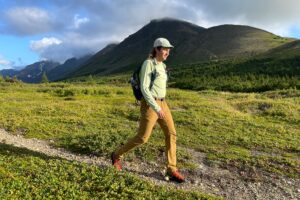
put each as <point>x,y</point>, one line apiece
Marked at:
<point>176,176</point>
<point>116,162</point>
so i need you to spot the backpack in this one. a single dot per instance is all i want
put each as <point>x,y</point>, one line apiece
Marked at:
<point>135,82</point>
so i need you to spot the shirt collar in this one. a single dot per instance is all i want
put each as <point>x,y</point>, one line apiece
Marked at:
<point>157,63</point>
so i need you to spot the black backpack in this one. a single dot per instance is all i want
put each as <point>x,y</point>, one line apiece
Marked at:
<point>135,82</point>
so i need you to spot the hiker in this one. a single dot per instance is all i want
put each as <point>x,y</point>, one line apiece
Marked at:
<point>154,108</point>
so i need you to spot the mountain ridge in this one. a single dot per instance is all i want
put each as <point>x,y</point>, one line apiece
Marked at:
<point>192,43</point>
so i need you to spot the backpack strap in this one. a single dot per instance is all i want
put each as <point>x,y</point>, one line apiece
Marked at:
<point>153,76</point>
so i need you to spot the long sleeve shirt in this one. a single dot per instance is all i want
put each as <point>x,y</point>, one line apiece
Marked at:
<point>158,88</point>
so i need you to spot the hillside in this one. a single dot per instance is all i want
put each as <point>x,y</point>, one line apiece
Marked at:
<point>288,50</point>
<point>248,75</point>
<point>236,41</point>
<point>192,44</point>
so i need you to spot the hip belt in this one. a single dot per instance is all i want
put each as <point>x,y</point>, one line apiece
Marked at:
<point>159,99</point>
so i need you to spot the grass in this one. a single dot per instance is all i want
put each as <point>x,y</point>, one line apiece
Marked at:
<point>28,175</point>
<point>244,130</point>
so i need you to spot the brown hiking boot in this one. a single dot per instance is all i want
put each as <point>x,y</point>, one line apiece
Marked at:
<point>116,162</point>
<point>176,176</point>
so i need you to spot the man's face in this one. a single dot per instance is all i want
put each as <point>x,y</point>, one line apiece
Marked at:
<point>163,54</point>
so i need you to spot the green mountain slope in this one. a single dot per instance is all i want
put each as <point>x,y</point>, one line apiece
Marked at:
<point>288,50</point>
<point>135,48</point>
<point>192,44</point>
<point>236,40</point>
<point>248,75</point>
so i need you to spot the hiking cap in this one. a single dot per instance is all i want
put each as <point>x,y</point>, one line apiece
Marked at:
<point>162,42</point>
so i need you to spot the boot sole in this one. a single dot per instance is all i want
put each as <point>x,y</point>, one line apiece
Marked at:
<point>170,178</point>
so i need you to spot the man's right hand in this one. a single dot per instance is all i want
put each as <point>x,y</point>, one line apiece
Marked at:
<point>161,114</point>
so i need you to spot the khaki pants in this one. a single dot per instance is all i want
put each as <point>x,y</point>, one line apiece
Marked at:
<point>148,119</point>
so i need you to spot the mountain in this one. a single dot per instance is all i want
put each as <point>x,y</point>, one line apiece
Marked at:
<point>192,44</point>
<point>33,73</point>
<point>8,72</point>
<point>136,47</point>
<point>66,68</point>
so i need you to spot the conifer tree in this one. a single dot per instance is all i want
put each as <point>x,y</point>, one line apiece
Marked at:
<point>44,78</point>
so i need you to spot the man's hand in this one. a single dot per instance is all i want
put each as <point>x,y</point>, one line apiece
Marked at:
<point>161,114</point>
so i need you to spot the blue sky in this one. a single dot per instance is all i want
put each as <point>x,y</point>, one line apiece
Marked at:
<point>56,30</point>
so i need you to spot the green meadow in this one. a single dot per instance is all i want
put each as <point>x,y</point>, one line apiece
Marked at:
<point>240,131</point>
<point>28,175</point>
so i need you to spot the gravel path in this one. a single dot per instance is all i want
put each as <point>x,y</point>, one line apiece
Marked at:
<point>206,178</point>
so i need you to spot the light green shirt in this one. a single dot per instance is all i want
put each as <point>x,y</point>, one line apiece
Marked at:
<point>158,89</point>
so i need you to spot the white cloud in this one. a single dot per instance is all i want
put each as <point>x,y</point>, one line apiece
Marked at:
<point>5,64</point>
<point>41,45</point>
<point>28,20</point>
<point>79,21</point>
<point>72,45</point>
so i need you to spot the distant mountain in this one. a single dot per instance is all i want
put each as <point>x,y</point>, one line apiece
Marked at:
<point>33,73</point>
<point>8,72</point>
<point>98,56</point>
<point>66,68</point>
<point>54,71</point>
<point>192,44</point>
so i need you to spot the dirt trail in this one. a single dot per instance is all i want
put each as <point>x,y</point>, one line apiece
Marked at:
<point>207,179</point>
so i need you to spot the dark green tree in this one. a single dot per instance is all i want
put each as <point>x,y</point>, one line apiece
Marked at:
<point>90,79</point>
<point>44,78</point>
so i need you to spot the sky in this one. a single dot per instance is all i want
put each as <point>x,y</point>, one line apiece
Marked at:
<point>34,30</point>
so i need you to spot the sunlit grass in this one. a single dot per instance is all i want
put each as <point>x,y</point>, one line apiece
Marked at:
<point>247,129</point>
<point>28,175</point>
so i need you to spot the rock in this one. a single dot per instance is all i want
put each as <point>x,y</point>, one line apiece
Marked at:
<point>194,182</point>
<point>167,178</point>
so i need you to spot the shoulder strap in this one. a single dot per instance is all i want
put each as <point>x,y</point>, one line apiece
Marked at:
<point>153,76</point>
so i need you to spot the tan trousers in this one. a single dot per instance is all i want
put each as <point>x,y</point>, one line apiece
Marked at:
<point>148,119</point>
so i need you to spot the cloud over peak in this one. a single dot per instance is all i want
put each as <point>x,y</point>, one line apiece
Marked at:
<point>41,45</point>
